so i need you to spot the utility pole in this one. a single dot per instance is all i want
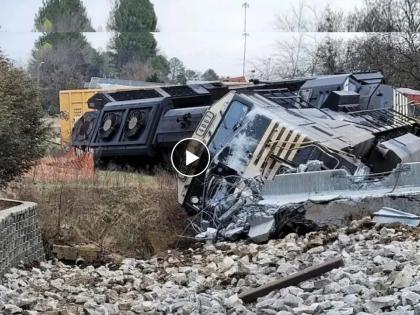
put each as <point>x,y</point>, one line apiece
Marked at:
<point>245,5</point>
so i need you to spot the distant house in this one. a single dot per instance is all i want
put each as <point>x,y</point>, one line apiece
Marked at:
<point>413,99</point>
<point>413,95</point>
<point>240,79</point>
<point>226,80</point>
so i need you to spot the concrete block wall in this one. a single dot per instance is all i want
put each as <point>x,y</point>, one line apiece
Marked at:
<point>20,236</point>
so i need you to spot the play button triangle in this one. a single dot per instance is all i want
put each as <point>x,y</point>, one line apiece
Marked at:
<point>185,153</point>
<point>190,157</point>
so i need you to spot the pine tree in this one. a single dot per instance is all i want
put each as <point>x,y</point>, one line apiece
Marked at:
<point>62,58</point>
<point>62,16</point>
<point>22,132</point>
<point>133,16</point>
<point>134,45</point>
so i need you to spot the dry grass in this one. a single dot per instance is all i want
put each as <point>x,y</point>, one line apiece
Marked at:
<point>125,213</point>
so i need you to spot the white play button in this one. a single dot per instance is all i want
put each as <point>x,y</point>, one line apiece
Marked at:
<point>190,158</point>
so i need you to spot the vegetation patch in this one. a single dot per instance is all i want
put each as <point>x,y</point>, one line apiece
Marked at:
<point>125,213</point>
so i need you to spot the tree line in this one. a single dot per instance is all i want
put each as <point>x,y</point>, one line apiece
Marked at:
<point>386,38</point>
<point>63,58</point>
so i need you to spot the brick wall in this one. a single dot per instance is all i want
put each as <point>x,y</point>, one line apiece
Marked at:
<point>20,236</point>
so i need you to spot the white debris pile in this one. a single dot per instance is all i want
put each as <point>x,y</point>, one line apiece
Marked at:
<point>380,275</point>
<point>236,207</point>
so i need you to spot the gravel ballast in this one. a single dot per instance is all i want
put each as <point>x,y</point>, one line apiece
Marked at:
<point>380,276</point>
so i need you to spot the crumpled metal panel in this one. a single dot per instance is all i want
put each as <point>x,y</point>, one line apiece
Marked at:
<point>334,184</point>
<point>390,215</point>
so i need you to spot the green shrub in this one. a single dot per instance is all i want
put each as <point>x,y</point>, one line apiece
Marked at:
<point>22,131</point>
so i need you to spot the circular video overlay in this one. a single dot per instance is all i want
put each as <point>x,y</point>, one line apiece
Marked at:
<point>190,157</point>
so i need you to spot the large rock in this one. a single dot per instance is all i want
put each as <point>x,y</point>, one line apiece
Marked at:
<point>378,303</point>
<point>404,278</point>
<point>307,309</point>
<point>410,298</point>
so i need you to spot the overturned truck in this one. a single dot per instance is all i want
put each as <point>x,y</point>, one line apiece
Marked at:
<point>339,137</point>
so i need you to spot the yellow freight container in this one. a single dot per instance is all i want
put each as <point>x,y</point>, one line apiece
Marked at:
<point>73,104</point>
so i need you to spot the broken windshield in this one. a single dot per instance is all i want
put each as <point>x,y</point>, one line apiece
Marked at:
<point>230,122</point>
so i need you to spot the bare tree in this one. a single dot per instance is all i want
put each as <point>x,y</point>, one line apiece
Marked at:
<point>297,55</point>
<point>61,61</point>
<point>409,17</point>
<point>301,18</point>
<point>394,44</point>
<point>331,55</point>
<point>176,71</point>
<point>264,69</point>
<point>136,70</point>
<point>390,42</point>
<point>331,21</point>
<point>192,75</point>
<point>386,16</point>
<point>373,16</point>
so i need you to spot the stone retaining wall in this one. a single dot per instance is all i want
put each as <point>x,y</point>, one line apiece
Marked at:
<point>20,236</point>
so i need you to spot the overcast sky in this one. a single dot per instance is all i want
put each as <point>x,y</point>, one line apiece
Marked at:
<point>202,33</point>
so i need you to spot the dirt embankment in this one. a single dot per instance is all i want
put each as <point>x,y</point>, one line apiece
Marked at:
<point>125,213</point>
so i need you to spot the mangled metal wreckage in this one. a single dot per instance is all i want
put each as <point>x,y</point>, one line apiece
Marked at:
<point>345,136</point>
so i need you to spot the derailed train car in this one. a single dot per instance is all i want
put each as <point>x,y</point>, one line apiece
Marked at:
<point>139,122</point>
<point>352,122</point>
<point>145,123</point>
